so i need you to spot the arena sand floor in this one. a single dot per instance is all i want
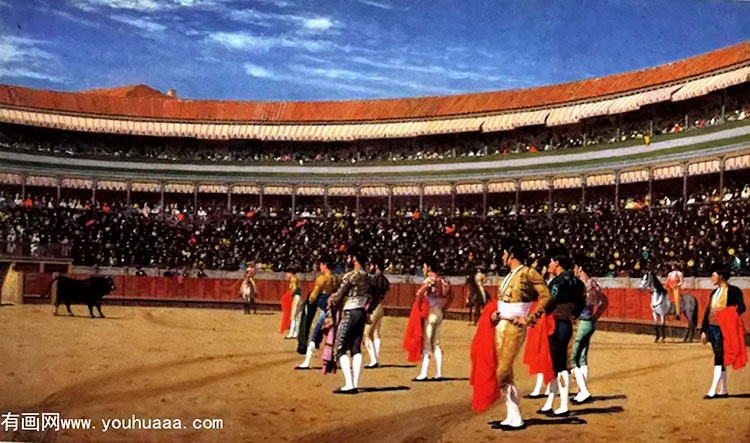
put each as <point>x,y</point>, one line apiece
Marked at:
<point>162,363</point>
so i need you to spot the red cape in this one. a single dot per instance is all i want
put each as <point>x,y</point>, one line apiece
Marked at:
<point>537,355</point>
<point>733,334</point>
<point>413,337</point>
<point>286,311</point>
<point>483,362</point>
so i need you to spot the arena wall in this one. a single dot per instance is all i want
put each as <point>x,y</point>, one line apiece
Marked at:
<point>626,304</point>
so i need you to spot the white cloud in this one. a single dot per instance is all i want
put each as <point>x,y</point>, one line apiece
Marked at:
<point>136,5</point>
<point>274,19</point>
<point>257,71</point>
<point>20,72</point>
<point>250,16</point>
<point>326,84</point>
<point>259,43</point>
<point>72,18</point>
<point>387,82</point>
<point>145,5</point>
<point>277,3</point>
<point>4,4</point>
<point>381,5</point>
<point>320,23</point>
<point>23,58</point>
<point>140,23</point>
<point>337,73</point>
<point>435,70</point>
<point>21,49</point>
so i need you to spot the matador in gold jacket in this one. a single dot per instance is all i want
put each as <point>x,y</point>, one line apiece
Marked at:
<point>521,287</point>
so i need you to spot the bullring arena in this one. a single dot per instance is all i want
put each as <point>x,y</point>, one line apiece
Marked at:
<point>176,199</point>
<point>189,363</point>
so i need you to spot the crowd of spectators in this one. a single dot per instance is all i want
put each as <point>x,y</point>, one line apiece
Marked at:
<point>643,124</point>
<point>180,236</point>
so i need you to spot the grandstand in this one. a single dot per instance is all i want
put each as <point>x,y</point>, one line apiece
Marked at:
<point>670,139</point>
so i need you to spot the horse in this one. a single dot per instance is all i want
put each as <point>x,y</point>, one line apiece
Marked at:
<point>661,306</point>
<point>477,297</point>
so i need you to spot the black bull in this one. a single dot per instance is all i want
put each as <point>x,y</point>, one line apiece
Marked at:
<point>88,292</point>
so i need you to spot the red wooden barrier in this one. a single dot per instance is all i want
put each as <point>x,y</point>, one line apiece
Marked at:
<point>623,303</point>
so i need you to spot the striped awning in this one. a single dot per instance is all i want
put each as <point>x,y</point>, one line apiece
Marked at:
<point>342,191</point>
<point>624,104</point>
<point>567,182</point>
<point>501,187</point>
<point>112,185</point>
<point>657,95</point>
<point>704,167</point>
<point>77,183</point>
<point>406,190</point>
<point>638,175</point>
<point>534,184</point>
<point>703,86</point>
<point>470,188</point>
<point>41,180</point>
<point>562,116</point>
<point>373,191</point>
<point>277,190</point>
<point>145,187</point>
<point>666,172</point>
<point>530,118</point>
<point>213,188</point>
<point>246,189</point>
<point>179,188</point>
<point>311,190</point>
<point>600,180</point>
<point>502,122</point>
<point>738,162</point>
<point>10,178</point>
<point>437,190</point>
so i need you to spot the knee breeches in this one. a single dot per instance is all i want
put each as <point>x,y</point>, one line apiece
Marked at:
<point>376,319</point>
<point>431,335</point>
<point>717,344</point>
<point>349,334</point>
<point>558,344</point>
<point>583,340</point>
<point>508,341</point>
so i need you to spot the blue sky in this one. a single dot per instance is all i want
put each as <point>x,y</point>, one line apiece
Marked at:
<point>349,49</point>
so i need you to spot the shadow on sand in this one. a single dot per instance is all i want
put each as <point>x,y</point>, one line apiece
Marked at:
<point>384,389</point>
<point>438,380</point>
<point>544,421</point>
<point>586,411</point>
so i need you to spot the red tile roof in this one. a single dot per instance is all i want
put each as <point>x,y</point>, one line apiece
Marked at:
<point>143,102</point>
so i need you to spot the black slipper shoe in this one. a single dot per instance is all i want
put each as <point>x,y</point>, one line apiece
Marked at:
<point>347,391</point>
<point>513,428</point>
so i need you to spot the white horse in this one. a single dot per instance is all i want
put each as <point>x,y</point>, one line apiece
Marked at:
<point>661,306</point>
